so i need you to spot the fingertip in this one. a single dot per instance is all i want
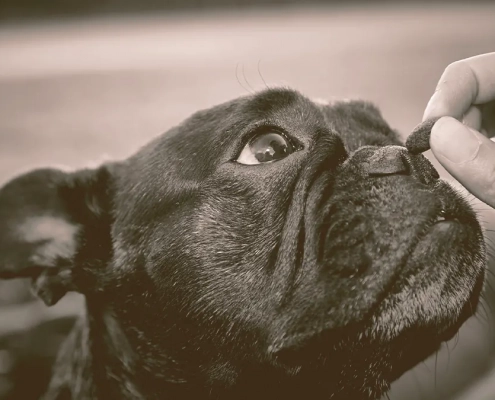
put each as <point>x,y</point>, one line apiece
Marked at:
<point>453,141</point>
<point>438,106</point>
<point>467,155</point>
<point>455,92</point>
<point>430,106</point>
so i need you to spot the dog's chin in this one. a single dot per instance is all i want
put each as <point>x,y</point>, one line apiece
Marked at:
<point>365,352</point>
<point>436,290</point>
<point>362,352</point>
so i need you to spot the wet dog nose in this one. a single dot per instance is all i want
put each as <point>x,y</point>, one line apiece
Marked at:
<point>396,160</point>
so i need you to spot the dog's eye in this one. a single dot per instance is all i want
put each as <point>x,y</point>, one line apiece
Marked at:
<point>264,148</point>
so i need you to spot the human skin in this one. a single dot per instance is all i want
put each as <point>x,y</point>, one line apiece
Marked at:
<point>460,140</point>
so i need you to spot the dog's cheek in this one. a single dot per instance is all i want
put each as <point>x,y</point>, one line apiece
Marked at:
<point>235,240</point>
<point>237,230</point>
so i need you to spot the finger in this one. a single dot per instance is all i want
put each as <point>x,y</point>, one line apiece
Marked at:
<point>467,155</point>
<point>463,83</point>
<point>488,118</point>
<point>472,118</point>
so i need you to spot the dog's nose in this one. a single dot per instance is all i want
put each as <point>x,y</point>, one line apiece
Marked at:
<point>396,160</point>
<point>387,160</point>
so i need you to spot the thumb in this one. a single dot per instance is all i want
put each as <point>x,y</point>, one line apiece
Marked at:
<point>467,155</point>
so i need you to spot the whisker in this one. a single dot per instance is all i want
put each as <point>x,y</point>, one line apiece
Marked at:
<point>259,73</point>
<point>482,315</point>
<point>238,80</point>
<point>436,368</point>
<point>245,79</point>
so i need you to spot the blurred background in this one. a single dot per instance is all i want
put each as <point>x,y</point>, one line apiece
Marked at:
<point>86,81</point>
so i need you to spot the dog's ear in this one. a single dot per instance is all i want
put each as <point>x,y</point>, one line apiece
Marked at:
<point>55,229</point>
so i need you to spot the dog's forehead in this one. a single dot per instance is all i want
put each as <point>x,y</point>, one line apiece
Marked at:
<point>272,102</point>
<point>358,123</point>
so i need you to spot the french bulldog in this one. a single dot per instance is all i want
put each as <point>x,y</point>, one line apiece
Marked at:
<point>268,247</point>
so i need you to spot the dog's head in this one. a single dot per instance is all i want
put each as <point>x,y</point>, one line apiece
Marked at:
<point>265,237</point>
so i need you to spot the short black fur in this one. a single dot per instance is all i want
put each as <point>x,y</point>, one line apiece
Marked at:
<point>326,274</point>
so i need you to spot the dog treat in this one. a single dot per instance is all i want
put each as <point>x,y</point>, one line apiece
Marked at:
<point>419,139</point>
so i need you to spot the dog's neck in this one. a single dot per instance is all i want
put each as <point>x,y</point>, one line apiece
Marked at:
<point>96,361</point>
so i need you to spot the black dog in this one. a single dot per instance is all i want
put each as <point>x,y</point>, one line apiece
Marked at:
<point>268,247</point>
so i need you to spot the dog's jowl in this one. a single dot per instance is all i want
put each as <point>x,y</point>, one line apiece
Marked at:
<point>266,248</point>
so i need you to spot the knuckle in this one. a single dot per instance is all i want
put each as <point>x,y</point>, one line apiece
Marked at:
<point>458,68</point>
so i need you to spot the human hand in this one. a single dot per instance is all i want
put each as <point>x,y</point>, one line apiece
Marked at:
<point>465,98</point>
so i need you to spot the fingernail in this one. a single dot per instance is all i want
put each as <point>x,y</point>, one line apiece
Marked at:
<point>454,141</point>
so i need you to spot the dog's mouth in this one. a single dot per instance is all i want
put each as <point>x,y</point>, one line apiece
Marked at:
<point>426,299</point>
<point>357,348</point>
<point>360,345</point>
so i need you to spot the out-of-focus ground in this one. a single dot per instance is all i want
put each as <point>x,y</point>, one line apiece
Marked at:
<point>75,92</point>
